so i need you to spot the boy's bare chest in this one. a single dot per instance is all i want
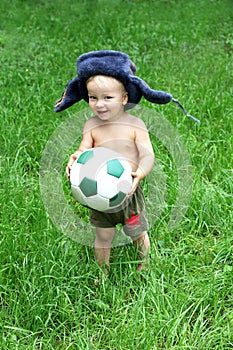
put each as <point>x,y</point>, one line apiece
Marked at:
<point>112,133</point>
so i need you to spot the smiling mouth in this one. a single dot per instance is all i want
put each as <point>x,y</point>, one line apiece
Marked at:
<point>101,112</point>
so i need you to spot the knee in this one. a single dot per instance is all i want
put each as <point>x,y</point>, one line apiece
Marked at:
<point>141,238</point>
<point>104,237</point>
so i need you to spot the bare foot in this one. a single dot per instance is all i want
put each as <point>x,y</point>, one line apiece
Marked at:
<point>142,267</point>
<point>101,279</point>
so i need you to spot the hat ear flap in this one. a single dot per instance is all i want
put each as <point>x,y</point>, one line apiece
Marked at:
<point>154,96</point>
<point>70,95</point>
<point>134,95</point>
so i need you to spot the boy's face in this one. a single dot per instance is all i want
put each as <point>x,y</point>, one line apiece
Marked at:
<point>107,97</point>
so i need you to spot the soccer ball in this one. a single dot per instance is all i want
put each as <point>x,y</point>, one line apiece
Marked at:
<point>101,179</point>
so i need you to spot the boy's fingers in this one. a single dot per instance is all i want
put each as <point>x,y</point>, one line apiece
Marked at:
<point>68,168</point>
<point>134,186</point>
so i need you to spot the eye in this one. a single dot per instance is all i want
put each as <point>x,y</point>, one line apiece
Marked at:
<point>92,97</point>
<point>108,97</point>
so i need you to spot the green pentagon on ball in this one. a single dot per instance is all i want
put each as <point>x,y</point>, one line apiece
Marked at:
<point>85,156</point>
<point>115,168</point>
<point>117,200</point>
<point>88,187</point>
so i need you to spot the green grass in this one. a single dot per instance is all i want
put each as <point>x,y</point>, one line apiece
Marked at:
<point>47,296</point>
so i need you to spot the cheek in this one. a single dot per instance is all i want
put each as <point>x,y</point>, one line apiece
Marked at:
<point>91,104</point>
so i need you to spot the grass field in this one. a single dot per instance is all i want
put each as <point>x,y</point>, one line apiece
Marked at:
<point>47,296</point>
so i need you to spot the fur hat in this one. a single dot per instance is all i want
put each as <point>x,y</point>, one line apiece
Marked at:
<point>117,65</point>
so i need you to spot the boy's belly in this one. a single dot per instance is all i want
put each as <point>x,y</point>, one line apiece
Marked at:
<point>125,148</point>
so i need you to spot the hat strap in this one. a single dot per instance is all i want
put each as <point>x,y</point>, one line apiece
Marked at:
<point>184,110</point>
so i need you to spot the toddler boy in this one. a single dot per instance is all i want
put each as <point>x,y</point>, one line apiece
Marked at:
<point>107,81</point>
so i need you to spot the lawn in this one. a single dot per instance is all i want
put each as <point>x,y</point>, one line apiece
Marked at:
<point>47,294</point>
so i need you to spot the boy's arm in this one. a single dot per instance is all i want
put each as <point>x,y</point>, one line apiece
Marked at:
<point>86,143</point>
<point>146,155</point>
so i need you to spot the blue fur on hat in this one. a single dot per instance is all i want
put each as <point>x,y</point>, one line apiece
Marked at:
<point>117,65</point>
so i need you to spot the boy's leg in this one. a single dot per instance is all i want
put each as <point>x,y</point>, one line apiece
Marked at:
<point>143,245</point>
<point>103,240</point>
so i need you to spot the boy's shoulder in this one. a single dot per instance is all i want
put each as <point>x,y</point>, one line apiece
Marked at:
<point>135,121</point>
<point>91,121</point>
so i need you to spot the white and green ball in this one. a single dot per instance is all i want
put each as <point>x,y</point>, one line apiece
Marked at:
<point>101,179</point>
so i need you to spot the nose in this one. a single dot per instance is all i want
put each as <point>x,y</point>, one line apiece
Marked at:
<point>99,103</point>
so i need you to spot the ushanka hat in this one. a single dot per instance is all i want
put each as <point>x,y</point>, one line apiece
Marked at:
<point>119,66</point>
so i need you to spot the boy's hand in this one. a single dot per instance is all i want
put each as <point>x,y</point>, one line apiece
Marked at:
<point>137,177</point>
<point>72,159</point>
